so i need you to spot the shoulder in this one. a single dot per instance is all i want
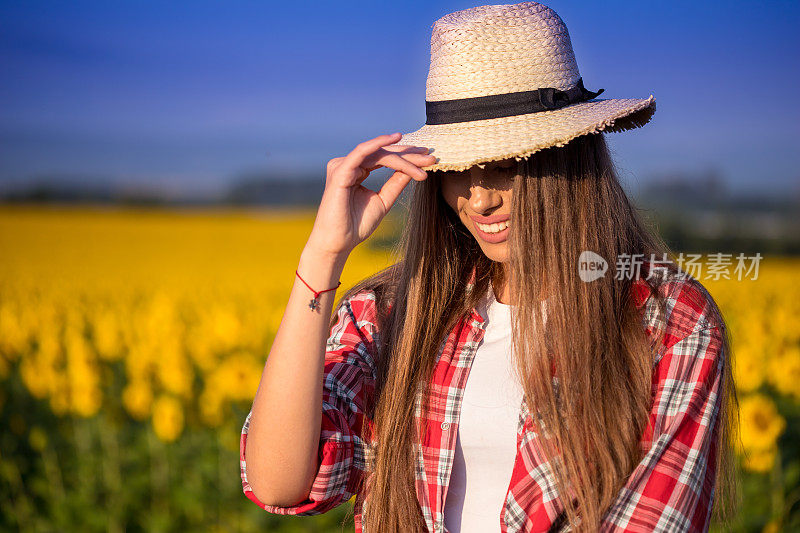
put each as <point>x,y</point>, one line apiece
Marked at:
<point>353,343</point>
<point>356,319</point>
<point>361,307</point>
<point>680,307</point>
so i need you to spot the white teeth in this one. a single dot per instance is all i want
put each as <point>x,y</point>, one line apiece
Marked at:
<point>493,228</point>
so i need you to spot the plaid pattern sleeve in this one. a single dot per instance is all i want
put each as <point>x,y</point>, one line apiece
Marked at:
<point>349,376</point>
<point>672,488</point>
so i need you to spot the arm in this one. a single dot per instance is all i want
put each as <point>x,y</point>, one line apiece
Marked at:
<point>672,488</point>
<point>347,383</point>
<point>283,462</point>
<point>294,419</point>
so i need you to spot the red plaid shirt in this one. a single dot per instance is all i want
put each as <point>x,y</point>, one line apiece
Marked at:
<point>671,489</point>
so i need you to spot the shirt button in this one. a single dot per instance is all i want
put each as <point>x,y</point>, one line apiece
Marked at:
<point>445,425</point>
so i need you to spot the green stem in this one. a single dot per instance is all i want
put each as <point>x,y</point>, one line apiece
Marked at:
<point>52,468</point>
<point>159,476</point>
<point>220,478</point>
<point>791,499</point>
<point>778,496</point>
<point>21,504</point>
<point>111,472</point>
<point>83,441</point>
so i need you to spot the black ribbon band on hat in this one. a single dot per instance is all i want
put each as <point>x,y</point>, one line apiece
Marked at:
<point>505,105</point>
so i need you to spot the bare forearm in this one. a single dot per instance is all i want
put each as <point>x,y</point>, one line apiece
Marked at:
<point>284,433</point>
<point>283,438</point>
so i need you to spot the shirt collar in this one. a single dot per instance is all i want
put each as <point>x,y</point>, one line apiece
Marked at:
<point>476,318</point>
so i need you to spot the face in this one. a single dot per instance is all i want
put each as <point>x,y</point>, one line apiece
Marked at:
<point>482,199</point>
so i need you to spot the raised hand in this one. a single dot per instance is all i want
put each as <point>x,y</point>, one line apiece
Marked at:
<point>349,212</point>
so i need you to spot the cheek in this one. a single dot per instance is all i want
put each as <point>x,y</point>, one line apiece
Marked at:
<point>508,196</point>
<point>450,194</point>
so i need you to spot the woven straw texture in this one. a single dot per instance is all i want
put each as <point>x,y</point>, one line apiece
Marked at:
<point>497,49</point>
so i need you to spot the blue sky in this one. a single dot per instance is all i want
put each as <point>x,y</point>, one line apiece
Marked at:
<point>189,95</point>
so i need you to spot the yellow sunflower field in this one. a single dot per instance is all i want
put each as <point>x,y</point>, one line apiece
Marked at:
<point>132,342</point>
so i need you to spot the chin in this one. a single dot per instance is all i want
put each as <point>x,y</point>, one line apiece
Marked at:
<point>496,252</point>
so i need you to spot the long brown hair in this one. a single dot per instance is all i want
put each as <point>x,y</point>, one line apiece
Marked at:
<point>565,200</point>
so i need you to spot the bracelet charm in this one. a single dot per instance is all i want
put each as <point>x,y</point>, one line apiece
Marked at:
<point>314,303</point>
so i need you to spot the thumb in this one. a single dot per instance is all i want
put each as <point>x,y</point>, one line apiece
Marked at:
<point>392,189</point>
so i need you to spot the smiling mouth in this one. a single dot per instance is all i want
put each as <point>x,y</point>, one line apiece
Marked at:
<point>492,233</point>
<point>492,229</point>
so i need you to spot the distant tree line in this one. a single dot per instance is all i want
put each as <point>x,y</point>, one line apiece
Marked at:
<point>692,213</point>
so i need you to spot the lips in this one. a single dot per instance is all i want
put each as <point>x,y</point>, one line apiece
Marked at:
<point>493,238</point>
<point>499,217</point>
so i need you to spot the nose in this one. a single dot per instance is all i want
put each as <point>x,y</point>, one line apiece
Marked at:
<point>481,199</point>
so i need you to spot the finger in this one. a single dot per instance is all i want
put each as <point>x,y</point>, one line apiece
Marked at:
<point>406,165</point>
<point>407,148</point>
<point>420,160</point>
<point>392,189</point>
<point>356,157</point>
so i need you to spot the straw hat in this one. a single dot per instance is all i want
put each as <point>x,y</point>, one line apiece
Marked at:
<point>503,82</point>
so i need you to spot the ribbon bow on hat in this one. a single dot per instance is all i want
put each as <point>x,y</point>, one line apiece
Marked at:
<point>504,105</point>
<point>550,98</point>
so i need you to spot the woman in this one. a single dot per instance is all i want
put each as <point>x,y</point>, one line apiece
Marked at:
<point>594,401</point>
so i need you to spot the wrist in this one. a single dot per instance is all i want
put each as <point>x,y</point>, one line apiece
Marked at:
<point>324,257</point>
<point>321,270</point>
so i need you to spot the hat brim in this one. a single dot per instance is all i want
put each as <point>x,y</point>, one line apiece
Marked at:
<point>460,145</point>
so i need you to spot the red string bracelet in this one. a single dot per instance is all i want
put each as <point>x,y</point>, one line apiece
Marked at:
<point>314,303</point>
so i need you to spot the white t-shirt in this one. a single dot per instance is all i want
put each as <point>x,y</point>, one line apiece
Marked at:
<point>486,445</point>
